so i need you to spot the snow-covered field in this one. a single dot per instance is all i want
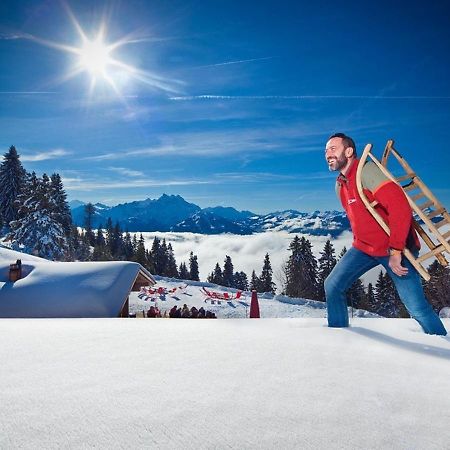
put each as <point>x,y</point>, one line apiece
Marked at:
<point>192,294</point>
<point>239,384</point>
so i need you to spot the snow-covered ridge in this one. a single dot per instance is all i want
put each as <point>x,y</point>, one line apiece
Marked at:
<point>173,213</point>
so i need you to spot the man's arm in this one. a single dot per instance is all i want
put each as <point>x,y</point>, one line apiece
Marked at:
<point>392,198</point>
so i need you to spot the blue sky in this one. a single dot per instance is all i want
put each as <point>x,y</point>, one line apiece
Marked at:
<point>226,103</point>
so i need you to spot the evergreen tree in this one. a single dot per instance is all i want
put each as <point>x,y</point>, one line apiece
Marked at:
<point>370,298</point>
<point>380,293</point>
<point>193,268</point>
<point>356,295</point>
<point>12,175</point>
<point>292,269</point>
<point>216,276</point>
<point>116,242</point>
<point>397,308</point>
<point>37,231</point>
<point>228,272</point>
<point>140,255</point>
<point>241,281</point>
<point>150,262</point>
<point>128,250</point>
<point>157,256</point>
<point>387,300</point>
<point>164,257</point>
<point>89,235</point>
<point>134,242</point>
<point>100,240</point>
<point>183,272</point>
<point>301,270</point>
<point>171,270</point>
<point>255,282</point>
<point>327,261</point>
<point>267,284</point>
<point>437,289</point>
<point>59,199</point>
<point>101,251</point>
<point>343,252</point>
<point>79,248</point>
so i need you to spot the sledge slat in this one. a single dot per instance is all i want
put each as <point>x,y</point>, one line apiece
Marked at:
<point>408,176</point>
<point>436,213</point>
<point>416,197</point>
<point>426,205</point>
<point>435,251</point>
<point>409,187</point>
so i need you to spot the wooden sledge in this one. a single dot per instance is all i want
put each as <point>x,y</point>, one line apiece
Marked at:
<point>429,208</point>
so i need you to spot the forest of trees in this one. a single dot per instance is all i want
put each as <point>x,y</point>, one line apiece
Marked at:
<point>35,218</point>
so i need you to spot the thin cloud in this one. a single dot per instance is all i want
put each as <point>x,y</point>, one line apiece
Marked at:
<point>14,36</point>
<point>42,156</point>
<point>126,172</point>
<point>27,92</point>
<point>207,144</point>
<point>308,97</point>
<point>79,184</point>
<point>298,137</point>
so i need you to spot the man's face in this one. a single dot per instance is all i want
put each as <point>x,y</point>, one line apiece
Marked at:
<point>335,154</point>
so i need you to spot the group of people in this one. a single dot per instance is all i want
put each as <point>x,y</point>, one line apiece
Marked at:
<point>180,313</point>
<point>193,313</point>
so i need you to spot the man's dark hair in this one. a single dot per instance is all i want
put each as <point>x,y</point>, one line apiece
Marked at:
<point>346,140</point>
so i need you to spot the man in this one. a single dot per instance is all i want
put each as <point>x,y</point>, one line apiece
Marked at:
<point>371,245</point>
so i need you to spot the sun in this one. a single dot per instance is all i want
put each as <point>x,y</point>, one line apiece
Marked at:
<point>95,57</point>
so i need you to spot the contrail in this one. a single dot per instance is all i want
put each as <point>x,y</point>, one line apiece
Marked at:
<point>233,62</point>
<point>26,92</point>
<point>308,97</point>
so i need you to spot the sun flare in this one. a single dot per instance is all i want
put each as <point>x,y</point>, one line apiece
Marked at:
<point>95,57</point>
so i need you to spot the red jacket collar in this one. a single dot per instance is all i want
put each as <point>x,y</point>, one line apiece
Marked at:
<point>351,172</point>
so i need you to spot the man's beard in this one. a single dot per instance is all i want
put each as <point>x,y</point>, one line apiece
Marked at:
<point>339,164</point>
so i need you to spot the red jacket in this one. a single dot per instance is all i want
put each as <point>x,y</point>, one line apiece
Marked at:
<point>393,207</point>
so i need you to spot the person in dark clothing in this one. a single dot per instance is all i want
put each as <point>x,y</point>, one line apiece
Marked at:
<point>194,312</point>
<point>173,311</point>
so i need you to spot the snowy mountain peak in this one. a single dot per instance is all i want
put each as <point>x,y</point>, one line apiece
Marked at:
<point>174,213</point>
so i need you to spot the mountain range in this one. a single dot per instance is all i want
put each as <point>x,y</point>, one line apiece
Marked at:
<point>174,213</point>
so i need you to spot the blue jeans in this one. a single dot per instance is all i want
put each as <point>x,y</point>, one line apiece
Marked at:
<point>409,287</point>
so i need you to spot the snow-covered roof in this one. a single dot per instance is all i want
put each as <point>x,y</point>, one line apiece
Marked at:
<point>67,289</point>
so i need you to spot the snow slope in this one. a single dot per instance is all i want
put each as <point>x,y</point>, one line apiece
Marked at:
<point>192,294</point>
<point>222,384</point>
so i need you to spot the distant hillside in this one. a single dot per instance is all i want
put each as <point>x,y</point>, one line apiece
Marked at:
<point>174,213</point>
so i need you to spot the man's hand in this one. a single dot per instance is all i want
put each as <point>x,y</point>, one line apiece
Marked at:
<point>395,263</point>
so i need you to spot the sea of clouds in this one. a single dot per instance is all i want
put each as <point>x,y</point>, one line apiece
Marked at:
<point>247,252</point>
